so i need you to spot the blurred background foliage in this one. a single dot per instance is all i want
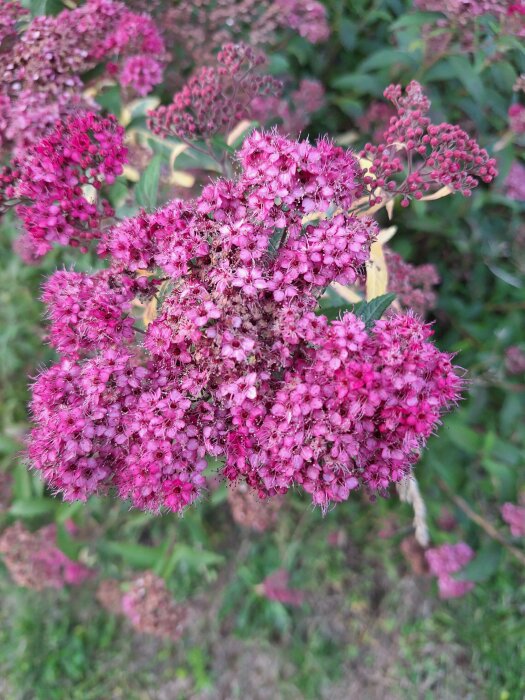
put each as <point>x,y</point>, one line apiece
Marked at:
<point>368,627</point>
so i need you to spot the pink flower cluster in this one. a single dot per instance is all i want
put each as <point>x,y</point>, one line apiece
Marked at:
<point>514,516</point>
<point>515,360</point>
<point>307,17</point>
<point>413,285</point>
<point>215,97</point>
<point>236,364</point>
<point>446,560</point>
<point>41,69</point>
<point>150,608</point>
<point>418,157</point>
<point>55,186</point>
<point>276,587</point>
<point>147,604</point>
<point>34,561</point>
<point>517,118</point>
<point>514,184</point>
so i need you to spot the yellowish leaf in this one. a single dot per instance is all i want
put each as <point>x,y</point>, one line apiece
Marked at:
<point>347,293</point>
<point>150,312</point>
<point>131,173</point>
<point>238,131</point>
<point>442,192</point>
<point>376,273</point>
<point>386,234</point>
<point>347,138</point>
<point>176,152</point>
<point>389,206</point>
<point>182,178</point>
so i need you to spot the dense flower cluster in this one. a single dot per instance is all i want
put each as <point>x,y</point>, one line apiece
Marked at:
<point>236,364</point>
<point>34,561</point>
<point>418,157</point>
<point>150,608</point>
<point>515,182</point>
<point>55,186</point>
<point>517,118</point>
<point>514,516</point>
<point>413,285</point>
<point>41,68</point>
<point>446,560</point>
<point>252,512</point>
<point>215,98</point>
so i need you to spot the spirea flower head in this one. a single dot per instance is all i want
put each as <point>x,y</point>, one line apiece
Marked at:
<point>307,17</point>
<point>417,157</point>
<point>514,184</point>
<point>446,560</point>
<point>56,184</point>
<point>34,561</point>
<point>215,97</point>
<point>276,587</point>
<point>515,360</point>
<point>150,608</point>
<point>517,118</point>
<point>234,363</point>
<point>413,285</point>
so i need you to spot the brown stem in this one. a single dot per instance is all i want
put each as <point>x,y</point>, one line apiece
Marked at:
<point>481,522</point>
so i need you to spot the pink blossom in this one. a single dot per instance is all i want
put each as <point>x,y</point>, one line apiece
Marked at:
<point>446,560</point>
<point>514,516</point>
<point>276,587</point>
<point>515,182</point>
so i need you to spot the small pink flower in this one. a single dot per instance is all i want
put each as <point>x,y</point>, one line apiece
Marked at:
<point>514,516</point>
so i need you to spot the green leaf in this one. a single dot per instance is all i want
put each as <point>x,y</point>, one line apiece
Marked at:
<point>370,311</point>
<point>66,543</point>
<point>110,99</point>
<point>348,33</point>
<point>45,7</point>
<point>386,58</point>
<point>32,508</point>
<point>465,73</point>
<point>484,565</point>
<point>147,188</point>
<point>137,555</point>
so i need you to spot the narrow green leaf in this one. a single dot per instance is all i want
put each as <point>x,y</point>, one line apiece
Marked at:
<point>147,188</point>
<point>370,311</point>
<point>32,508</point>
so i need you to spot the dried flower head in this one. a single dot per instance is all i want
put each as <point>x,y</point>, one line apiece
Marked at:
<point>34,561</point>
<point>250,511</point>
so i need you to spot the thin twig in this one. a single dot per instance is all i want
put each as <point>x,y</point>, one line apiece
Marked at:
<point>481,522</point>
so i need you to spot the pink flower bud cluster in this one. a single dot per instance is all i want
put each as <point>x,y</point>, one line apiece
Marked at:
<point>150,608</point>
<point>446,560</point>
<point>514,184</point>
<point>292,114</point>
<point>41,70</point>
<point>55,186</point>
<point>215,98</point>
<point>413,285</point>
<point>34,561</point>
<point>418,157</point>
<point>235,364</point>
<point>514,516</point>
